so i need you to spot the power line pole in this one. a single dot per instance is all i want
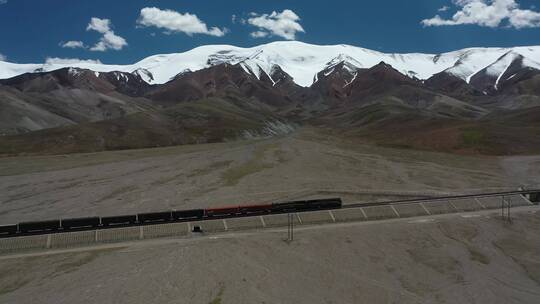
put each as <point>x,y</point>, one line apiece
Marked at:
<point>502,207</point>
<point>290,227</point>
<point>506,204</point>
<point>509,202</point>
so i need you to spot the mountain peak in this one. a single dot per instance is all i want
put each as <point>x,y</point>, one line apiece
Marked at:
<point>346,61</point>
<point>490,78</point>
<point>382,65</point>
<point>300,60</point>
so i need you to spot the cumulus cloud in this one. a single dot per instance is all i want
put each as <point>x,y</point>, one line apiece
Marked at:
<point>488,13</point>
<point>173,21</point>
<point>56,60</point>
<point>444,8</point>
<point>109,40</point>
<point>72,44</point>
<point>258,34</point>
<point>3,57</point>
<point>3,2</point>
<point>99,25</point>
<point>284,24</point>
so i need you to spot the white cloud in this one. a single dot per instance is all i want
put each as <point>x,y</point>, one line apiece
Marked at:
<point>3,2</point>
<point>72,44</point>
<point>56,60</point>
<point>444,8</point>
<point>258,34</point>
<point>177,22</point>
<point>284,24</point>
<point>524,18</point>
<point>99,25</point>
<point>489,13</point>
<point>3,57</point>
<point>109,40</point>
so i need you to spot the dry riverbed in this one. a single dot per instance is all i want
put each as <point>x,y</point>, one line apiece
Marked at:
<point>305,164</point>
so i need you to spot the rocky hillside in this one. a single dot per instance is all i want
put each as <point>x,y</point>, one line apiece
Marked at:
<point>76,110</point>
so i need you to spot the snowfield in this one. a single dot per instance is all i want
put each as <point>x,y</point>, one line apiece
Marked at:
<point>300,60</point>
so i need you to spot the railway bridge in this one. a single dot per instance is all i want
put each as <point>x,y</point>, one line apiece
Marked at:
<point>407,208</point>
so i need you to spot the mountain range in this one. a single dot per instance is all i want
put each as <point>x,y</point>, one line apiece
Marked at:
<point>478,100</point>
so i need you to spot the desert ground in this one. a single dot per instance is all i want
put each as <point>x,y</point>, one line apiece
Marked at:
<point>454,258</point>
<point>307,163</point>
<point>457,258</point>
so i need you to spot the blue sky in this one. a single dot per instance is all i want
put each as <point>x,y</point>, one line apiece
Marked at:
<point>32,30</point>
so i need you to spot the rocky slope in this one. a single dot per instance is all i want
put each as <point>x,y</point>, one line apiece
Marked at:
<point>237,95</point>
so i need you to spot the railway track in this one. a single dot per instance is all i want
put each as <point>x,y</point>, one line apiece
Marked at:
<point>135,221</point>
<point>442,198</point>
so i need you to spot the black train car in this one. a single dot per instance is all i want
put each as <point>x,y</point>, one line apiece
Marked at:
<point>309,205</point>
<point>8,229</point>
<point>330,203</point>
<point>152,217</point>
<point>77,223</point>
<point>119,220</point>
<point>222,211</point>
<point>290,207</point>
<point>187,214</point>
<point>255,209</point>
<point>52,225</point>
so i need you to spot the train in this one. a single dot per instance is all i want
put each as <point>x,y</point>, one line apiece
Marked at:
<point>93,223</point>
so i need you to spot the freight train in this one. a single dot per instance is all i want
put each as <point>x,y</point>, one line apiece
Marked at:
<point>92,223</point>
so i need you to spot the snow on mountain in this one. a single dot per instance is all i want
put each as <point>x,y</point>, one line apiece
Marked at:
<point>144,74</point>
<point>8,69</point>
<point>499,67</point>
<point>471,61</point>
<point>300,60</point>
<point>504,68</point>
<point>349,63</point>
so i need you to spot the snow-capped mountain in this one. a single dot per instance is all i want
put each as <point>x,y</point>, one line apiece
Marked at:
<point>218,93</point>
<point>299,60</point>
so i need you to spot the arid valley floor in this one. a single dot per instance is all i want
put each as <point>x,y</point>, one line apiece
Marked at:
<point>304,164</point>
<point>475,258</point>
<point>455,258</point>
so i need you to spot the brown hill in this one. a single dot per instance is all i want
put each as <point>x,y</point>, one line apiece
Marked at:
<point>208,120</point>
<point>74,110</point>
<point>68,96</point>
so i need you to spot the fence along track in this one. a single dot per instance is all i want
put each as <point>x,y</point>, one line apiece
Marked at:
<point>351,212</point>
<point>444,198</point>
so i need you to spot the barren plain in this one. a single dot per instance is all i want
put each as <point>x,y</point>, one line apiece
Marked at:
<point>305,164</point>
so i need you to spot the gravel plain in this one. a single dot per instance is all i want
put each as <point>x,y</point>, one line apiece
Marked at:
<point>455,258</point>
<point>303,165</point>
<point>472,258</point>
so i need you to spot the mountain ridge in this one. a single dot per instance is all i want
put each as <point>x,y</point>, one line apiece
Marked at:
<point>300,60</point>
<point>75,110</point>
